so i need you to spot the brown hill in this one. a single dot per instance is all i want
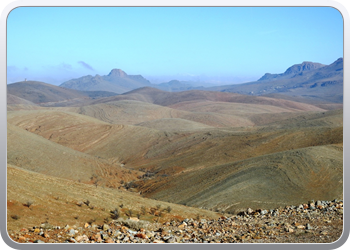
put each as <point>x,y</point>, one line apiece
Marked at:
<point>129,112</point>
<point>56,201</point>
<point>13,100</point>
<point>164,98</point>
<point>267,181</point>
<point>33,152</point>
<point>173,124</point>
<point>39,92</point>
<point>87,134</point>
<point>192,151</point>
<point>213,109</point>
<point>119,143</point>
<point>17,103</point>
<point>138,147</point>
<point>50,95</point>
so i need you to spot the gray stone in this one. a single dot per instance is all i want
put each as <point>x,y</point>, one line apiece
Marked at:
<point>39,241</point>
<point>309,227</point>
<point>263,212</point>
<point>71,232</point>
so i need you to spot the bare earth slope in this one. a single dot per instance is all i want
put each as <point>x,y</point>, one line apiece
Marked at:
<point>56,202</point>
<point>159,97</point>
<point>32,152</point>
<point>39,92</point>
<point>129,112</point>
<point>209,108</point>
<point>218,151</point>
<point>266,181</point>
<point>188,157</point>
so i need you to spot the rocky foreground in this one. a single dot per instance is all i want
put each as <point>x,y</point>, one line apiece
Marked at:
<point>315,222</point>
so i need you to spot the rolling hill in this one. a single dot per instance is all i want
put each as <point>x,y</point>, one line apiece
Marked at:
<point>44,93</point>
<point>56,201</point>
<point>178,158</point>
<point>266,181</point>
<point>213,150</point>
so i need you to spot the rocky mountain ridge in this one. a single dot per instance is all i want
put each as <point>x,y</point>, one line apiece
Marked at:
<point>116,81</point>
<point>293,70</point>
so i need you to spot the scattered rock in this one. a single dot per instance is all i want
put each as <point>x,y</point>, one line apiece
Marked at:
<point>291,223</point>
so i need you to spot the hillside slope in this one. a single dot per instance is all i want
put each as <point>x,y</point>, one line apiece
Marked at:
<point>267,181</point>
<point>56,201</point>
<point>32,152</point>
<point>40,92</point>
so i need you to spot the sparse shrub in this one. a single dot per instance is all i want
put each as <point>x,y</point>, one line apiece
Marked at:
<point>115,214</point>
<point>92,220</point>
<point>168,209</point>
<point>159,214</point>
<point>15,217</point>
<point>143,210</point>
<point>96,182</point>
<point>135,225</point>
<point>76,217</point>
<point>138,215</point>
<point>28,204</point>
<point>80,203</point>
<point>158,206</point>
<point>107,219</point>
<point>153,210</point>
<point>197,217</point>
<point>91,207</point>
<point>57,198</point>
<point>121,205</point>
<point>128,213</point>
<point>87,202</point>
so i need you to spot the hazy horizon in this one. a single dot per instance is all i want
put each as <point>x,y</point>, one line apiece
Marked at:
<point>204,44</point>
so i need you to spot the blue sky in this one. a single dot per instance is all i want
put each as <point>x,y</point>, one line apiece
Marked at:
<point>237,44</point>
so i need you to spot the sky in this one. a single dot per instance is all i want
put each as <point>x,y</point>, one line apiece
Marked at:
<point>216,44</point>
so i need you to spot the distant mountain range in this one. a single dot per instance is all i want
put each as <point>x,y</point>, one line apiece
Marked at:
<point>116,81</point>
<point>309,80</point>
<point>292,71</point>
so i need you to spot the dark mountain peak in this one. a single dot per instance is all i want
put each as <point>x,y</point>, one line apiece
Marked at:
<point>339,61</point>
<point>117,72</point>
<point>305,66</point>
<point>293,70</point>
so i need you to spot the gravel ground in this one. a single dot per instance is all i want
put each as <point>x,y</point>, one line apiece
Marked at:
<point>315,222</point>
